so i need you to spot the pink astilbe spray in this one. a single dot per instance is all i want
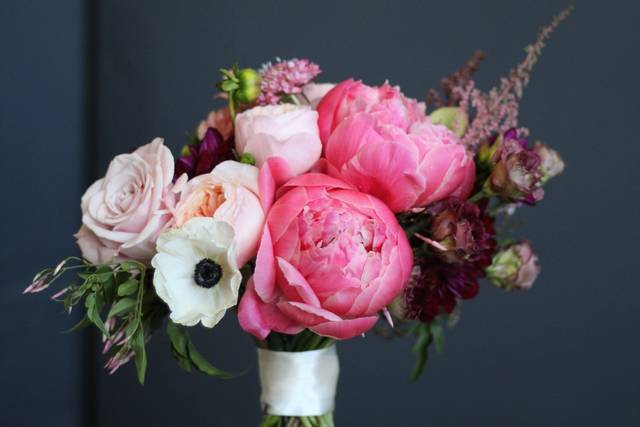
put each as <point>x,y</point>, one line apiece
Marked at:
<point>497,110</point>
<point>285,77</point>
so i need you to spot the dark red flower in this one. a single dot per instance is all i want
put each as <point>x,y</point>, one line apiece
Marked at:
<point>438,286</point>
<point>201,157</point>
<point>464,231</point>
<point>516,170</point>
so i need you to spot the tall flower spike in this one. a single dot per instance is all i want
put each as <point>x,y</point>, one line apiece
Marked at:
<point>497,110</point>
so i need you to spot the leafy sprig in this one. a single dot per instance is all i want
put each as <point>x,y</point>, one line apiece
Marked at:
<point>186,354</point>
<point>118,300</point>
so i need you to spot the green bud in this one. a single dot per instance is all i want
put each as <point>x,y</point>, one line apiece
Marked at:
<point>185,151</point>
<point>249,86</point>
<point>453,118</point>
<point>248,159</point>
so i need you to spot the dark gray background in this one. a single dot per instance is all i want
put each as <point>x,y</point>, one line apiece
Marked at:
<point>83,81</point>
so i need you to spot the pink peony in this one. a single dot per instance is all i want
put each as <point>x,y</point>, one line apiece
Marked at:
<point>124,212</point>
<point>382,143</point>
<point>329,260</point>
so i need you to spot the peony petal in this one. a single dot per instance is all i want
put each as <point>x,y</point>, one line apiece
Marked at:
<point>293,278</point>
<point>259,319</point>
<point>306,314</point>
<point>265,272</point>
<point>345,329</point>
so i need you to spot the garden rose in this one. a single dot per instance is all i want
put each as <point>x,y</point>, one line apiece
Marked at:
<point>329,260</point>
<point>383,144</point>
<point>124,212</point>
<point>287,131</point>
<point>514,267</point>
<point>314,92</point>
<point>217,119</point>
<point>230,194</point>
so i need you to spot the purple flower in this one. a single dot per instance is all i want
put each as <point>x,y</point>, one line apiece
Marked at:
<point>436,287</point>
<point>463,231</point>
<point>515,267</point>
<point>285,77</point>
<point>201,157</point>
<point>516,174</point>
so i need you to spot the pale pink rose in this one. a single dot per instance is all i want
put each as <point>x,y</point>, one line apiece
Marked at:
<point>124,212</point>
<point>314,92</point>
<point>219,119</point>
<point>287,131</point>
<point>383,144</point>
<point>228,193</point>
<point>330,259</point>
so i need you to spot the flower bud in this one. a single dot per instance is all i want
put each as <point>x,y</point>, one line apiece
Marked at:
<point>453,118</point>
<point>515,267</point>
<point>552,164</point>
<point>249,86</point>
<point>516,174</point>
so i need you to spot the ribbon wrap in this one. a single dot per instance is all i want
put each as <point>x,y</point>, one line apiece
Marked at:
<point>298,383</point>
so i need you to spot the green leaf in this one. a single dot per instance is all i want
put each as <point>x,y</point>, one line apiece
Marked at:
<point>420,348</point>
<point>93,313</point>
<point>83,323</point>
<point>438,338</point>
<point>179,338</point>
<point>138,347</point>
<point>123,306</point>
<point>203,365</point>
<point>127,288</point>
<point>228,86</point>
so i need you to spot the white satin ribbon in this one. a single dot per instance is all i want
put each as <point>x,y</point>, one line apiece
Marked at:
<point>298,383</point>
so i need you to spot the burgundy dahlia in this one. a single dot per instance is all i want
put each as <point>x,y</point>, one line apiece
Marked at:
<point>438,286</point>
<point>464,231</point>
<point>517,173</point>
<point>201,157</point>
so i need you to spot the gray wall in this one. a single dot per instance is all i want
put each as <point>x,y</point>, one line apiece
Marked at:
<point>43,129</point>
<point>564,354</point>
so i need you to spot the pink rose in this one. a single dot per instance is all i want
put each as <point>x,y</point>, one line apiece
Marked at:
<point>124,212</point>
<point>329,260</point>
<point>228,193</point>
<point>287,131</point>
<point>218,119</point>
<point>383,144</point>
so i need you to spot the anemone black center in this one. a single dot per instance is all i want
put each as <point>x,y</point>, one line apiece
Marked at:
<point>207,273</point>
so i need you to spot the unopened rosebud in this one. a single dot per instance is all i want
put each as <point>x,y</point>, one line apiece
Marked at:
<point>552,164</point>
<point>515,267</point>
<point>249,86</point>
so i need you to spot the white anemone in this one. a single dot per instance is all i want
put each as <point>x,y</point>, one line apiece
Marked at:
<point>196,271</point>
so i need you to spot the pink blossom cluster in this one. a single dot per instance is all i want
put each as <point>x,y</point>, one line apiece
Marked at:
<point>285,78</point>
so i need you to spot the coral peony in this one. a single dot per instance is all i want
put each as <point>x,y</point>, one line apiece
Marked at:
<point>382,143</point>
<point>330,259</point>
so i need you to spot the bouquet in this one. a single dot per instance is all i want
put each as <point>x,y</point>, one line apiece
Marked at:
<point>316,212</point>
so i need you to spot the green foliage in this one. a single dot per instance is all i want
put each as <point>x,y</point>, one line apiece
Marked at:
<point>125,293</point>
<point>186,354</point>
